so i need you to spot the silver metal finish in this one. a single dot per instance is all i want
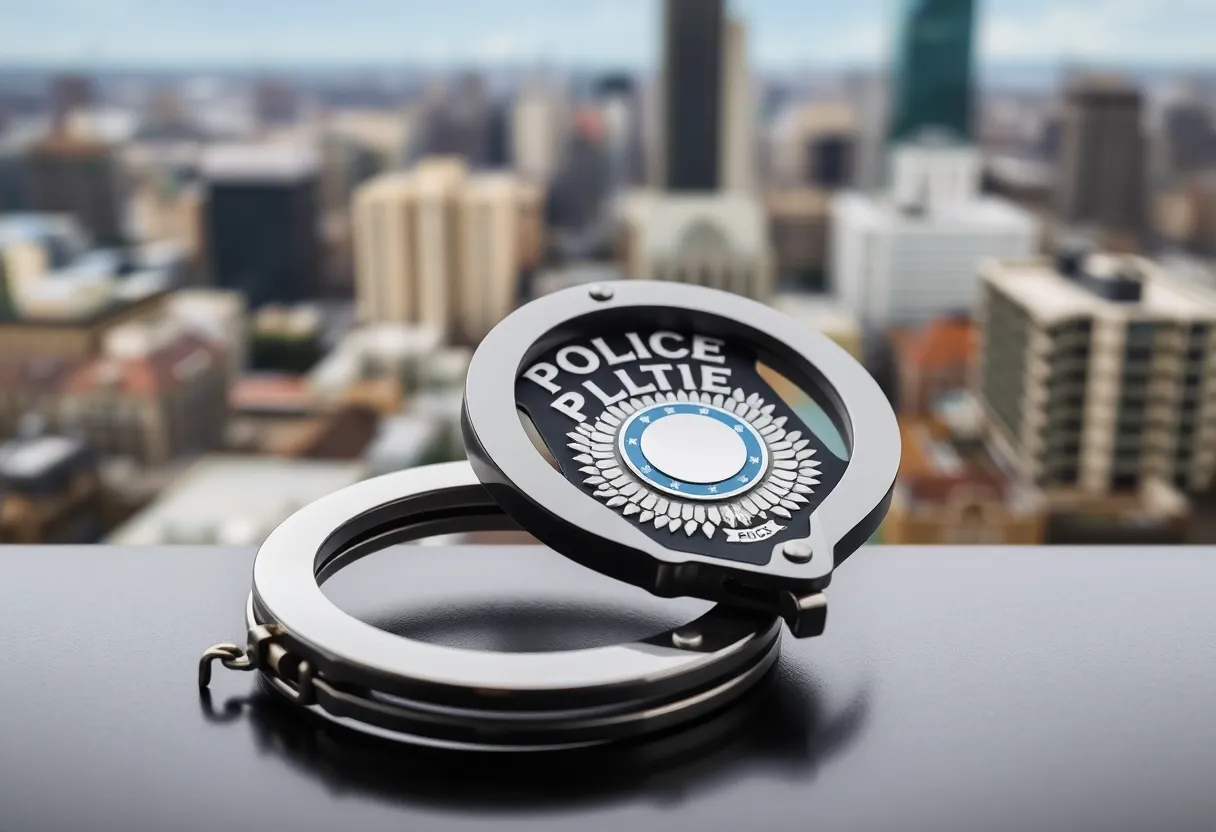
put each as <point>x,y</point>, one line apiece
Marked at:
<point>797,551</point>
<point>600,292</point>
<point>570,520</point>
<point>686,639</point>
<point>317,656</point>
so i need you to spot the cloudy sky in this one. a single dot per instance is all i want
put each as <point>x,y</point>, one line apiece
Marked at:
<point>783,33</point>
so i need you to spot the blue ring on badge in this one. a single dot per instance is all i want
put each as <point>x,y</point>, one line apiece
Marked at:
<point>632,442</point>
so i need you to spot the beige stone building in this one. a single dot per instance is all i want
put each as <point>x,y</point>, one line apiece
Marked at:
<point>156,393</point>
<point>798,231</point>
<point>823,315</point>
<point>439,246</point>
<point>718,240</point>
<point>814,144</point>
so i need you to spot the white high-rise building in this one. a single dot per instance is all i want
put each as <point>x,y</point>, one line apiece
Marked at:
<point>915,253</point>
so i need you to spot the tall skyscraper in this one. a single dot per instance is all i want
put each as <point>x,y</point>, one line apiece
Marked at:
<point>931,78</point>
<point>706,225</point>
<point>261,218</point>
<point>1101,179</point>
<point>738,163</point>
<point>692,95</point>
<point>581,184</point>
<point>439,247</point>
<point>80,177</point>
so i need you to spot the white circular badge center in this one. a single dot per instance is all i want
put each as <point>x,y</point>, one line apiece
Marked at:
<point>692,448</point>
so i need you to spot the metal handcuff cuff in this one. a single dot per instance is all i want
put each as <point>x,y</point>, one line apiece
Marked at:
<point>633,427</point>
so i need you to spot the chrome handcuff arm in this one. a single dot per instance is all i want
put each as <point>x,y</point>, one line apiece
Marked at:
<point>318,657</point>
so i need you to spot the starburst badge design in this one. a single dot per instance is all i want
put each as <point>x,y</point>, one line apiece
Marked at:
<point>697,463</point>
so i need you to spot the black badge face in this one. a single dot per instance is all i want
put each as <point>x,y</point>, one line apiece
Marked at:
<point>680,434</point>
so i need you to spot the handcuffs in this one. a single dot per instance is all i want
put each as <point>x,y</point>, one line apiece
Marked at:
<point>635,428</point>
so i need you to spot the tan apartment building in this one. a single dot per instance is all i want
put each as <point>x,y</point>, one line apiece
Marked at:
<point>1098,373</point>
<point>440,246</point>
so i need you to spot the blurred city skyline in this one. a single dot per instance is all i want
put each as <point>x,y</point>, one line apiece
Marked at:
<point>783,34</point>
<point>246,251</point>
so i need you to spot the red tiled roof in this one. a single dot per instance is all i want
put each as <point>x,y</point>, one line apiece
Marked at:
<point>35,374</point>
<point>941,343</point>
<point>270,391</point>
<point>149,374</point>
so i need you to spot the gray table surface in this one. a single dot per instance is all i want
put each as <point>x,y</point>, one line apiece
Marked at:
<point>956,689</point>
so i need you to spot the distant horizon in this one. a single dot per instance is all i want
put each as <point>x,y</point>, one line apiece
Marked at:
<point>365,35</point>
<point>1026,75</point>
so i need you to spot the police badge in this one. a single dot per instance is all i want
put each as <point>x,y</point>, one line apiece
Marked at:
<point>678,467</point>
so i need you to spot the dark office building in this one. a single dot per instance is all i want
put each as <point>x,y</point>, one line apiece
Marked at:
<point>1101,170</point>
<point>931,80</point>
<point>580,186</point>
<point>261,225</point>
<point>830,160</point>
<point>14,180</point>
<point>692,94</point>
<point>67,175</point>
<point>498,143</point>
<point>1190,135</point>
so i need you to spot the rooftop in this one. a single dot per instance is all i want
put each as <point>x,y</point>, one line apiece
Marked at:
<point>161,366</point>
<point>947,341</point>
<point>822,313</point>
<point>234,500</point>
<point>1050,296</point>
<point>267,392</point>
<point>980,214</point>
<point>23,459</point>
<point>259,162</point>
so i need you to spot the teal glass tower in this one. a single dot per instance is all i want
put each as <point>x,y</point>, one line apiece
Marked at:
<point>931,79</point>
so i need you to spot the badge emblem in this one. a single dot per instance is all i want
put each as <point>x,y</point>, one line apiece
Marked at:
<point>680,433</point>
<point>678,466</point>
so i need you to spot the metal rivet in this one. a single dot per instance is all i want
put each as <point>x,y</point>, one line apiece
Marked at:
<point>797,551</point>
<point>599,292</point>
<point>686,639</point>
